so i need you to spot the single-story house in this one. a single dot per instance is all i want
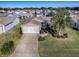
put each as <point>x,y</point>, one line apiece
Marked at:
<point>75,24</point>
<point>31,27</point>
<point>74,19</point>
<point>39,13</point>
<point>34,25</point>
<point>3,14</point>
<point>43,20</point>
<point>2,11</point>
<point>7,22</point>
<point>23,13</point>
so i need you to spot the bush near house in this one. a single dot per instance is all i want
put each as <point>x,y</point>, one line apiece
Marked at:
<point>41,38</point>
<point>22,19</point>
<point>7,47</point>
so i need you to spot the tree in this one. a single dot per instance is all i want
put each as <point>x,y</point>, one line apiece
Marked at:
<point>43,10</point>
<point>58,22</point>
<point>35,14</point>
<point>51,14</point>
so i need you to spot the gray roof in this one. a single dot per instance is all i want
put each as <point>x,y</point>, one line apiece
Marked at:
<point>6,20</point>
<point>33,23</point>
<point>22,14</point>
<point>42,18</point>
<point>3,14</point>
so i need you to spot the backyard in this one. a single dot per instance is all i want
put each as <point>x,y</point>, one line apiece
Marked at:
<point>57,47</point>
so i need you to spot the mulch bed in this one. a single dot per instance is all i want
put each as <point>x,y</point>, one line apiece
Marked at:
<point>8,55</point>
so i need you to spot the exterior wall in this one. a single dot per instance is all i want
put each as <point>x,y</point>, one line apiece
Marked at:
<point>28,29</point>
<point>39,15</point>
<point>8,27</point>
<point>73,17</point>
<point>14,23</point>
<point>2,29</point>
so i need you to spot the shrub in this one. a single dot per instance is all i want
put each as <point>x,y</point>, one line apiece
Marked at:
<point>41,38</point>
<point>7,47</point>
<point>20,30</point>
<point>65,35</point>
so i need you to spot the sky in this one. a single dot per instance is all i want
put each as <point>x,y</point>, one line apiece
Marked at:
<point>22,4</point>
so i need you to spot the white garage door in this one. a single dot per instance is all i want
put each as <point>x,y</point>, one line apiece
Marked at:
<point>0,29</point>
<point>31,29</point>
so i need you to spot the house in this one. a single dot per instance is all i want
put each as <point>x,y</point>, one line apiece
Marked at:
<point>7,22</point>
<point>34,25</point>
<point>39,13</point>
<point>2,11</point>
<point>3,14</point>
<point>23,13</point>
<point>31,27</point>
<point>43,20</point>
<point>74,18</point>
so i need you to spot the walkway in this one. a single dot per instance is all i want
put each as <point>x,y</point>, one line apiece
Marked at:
<point>28,46</point>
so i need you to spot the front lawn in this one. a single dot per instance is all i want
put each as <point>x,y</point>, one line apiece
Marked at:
<point>60,47</point>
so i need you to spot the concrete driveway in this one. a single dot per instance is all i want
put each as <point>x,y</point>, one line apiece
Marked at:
<point>28,46</point>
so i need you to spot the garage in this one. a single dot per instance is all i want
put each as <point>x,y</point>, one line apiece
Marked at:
<point>31,27</point>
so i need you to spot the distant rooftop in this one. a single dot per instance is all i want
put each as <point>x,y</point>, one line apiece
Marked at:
<point>42,18</point>
<point>6,20</point>
<point>3,14</point>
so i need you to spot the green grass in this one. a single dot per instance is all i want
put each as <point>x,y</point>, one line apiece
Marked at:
<point>57,48</point>
<point>11,35</point>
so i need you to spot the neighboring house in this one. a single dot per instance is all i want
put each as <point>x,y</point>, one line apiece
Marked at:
<point>75,24</point>
<point>9,11</point>
<point>45,12</point>
<point>7,22</point>
<point>3,14</point>
<point>31,27</point>
<point>2,11</point>
<point>39,13</point>
<point>74,18</point>
<point>44,24</point>
<point>23,13</point>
